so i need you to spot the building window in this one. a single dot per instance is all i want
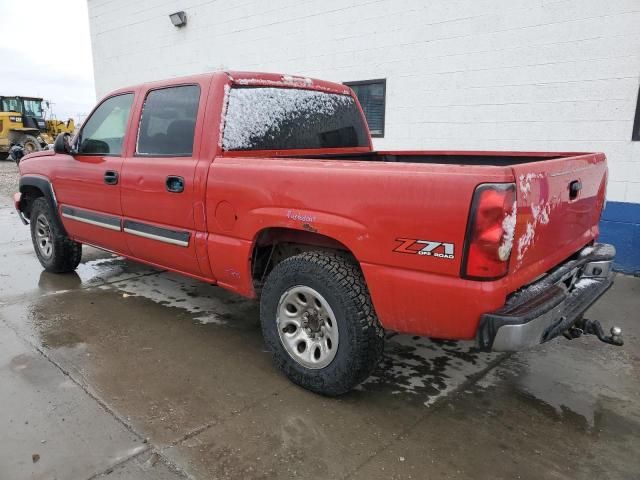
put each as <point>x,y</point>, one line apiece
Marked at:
<point>371,95</point>
<point>636,124</point>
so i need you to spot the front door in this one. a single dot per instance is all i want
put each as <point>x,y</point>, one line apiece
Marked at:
<point>158,180</point>
<point>87,184</point>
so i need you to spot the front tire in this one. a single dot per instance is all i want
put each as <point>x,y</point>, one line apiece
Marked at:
<point>57,252</point>
<point>319,324</point>
<point>30,144</point>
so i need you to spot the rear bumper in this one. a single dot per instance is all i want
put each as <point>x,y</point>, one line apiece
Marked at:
<point>547,308</point>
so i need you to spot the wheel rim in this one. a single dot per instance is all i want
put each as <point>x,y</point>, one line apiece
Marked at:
<point>30,147</point>
<point>307,327</point>
<point>44,238</point>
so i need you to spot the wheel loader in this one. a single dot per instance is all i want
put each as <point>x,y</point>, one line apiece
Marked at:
<point>23,122</point>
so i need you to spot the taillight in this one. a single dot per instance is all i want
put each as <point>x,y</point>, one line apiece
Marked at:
<point>492,223</point>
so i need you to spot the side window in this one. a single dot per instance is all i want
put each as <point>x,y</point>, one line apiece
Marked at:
<point>372,97</point>
<point>168,121</point>
<point>103,133</point>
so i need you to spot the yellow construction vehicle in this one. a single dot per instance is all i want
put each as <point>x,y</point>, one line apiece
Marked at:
<point>23,122</point>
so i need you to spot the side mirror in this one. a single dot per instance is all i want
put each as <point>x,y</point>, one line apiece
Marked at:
<point>63,144</point>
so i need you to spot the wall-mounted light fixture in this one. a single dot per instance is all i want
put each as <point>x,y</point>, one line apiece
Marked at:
<point>179,19</point>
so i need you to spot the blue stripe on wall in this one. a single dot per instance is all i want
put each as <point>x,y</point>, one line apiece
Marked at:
<point>620,226</point>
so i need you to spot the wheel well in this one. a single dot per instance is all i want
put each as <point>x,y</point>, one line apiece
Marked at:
<point>273,245</point>
<point>29,194</point>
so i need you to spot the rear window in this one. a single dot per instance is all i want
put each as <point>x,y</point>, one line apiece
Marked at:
<point>266,118</point>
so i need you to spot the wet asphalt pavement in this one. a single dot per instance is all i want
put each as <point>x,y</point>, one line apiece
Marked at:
<point>120,371</point>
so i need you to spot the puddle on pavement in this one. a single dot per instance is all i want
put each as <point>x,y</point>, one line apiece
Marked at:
<point>417,368</point>
<point>558,380</point>
<point>22,274</point>
<point>207,304</point>
<point>421,369</point>
<point>426,369</point>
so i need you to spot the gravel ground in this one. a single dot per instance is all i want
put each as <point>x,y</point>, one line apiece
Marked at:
<point>8,178</point>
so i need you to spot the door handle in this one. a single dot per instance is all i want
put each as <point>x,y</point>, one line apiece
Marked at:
<point>175,184</point>
<point>111,177</point>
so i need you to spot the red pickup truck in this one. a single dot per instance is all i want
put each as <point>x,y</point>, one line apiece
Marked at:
<point>268,185</point>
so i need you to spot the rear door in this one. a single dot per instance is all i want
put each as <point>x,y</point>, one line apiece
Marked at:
<point>87,184</point>
<point>158,180</point>
<point>558,210</point>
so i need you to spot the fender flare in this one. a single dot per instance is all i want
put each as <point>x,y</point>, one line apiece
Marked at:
<point>44,185</point>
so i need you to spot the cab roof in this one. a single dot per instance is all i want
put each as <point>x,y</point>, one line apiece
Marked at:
<point>241,78</point>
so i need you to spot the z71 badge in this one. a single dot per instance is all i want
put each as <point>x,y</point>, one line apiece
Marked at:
<point>425,247</point>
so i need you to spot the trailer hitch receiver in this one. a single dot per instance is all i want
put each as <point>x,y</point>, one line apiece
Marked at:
<point>593,327</point>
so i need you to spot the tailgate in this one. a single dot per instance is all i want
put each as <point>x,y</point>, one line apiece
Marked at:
<point>558,209</point>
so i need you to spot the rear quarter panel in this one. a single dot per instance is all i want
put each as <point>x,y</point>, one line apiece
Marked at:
<point>367,206</point>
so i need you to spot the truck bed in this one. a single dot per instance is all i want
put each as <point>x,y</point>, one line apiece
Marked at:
<point>497,159</point>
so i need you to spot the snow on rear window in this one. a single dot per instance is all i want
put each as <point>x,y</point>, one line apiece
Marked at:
<point>266,118</point>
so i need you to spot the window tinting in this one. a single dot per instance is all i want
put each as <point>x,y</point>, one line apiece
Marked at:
<point>168,121</point>
<point>371,95</point>
<point>635,136</point>
<point>103,133</point>
<point>265,118</point>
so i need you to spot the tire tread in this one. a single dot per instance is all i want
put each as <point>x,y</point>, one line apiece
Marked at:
<point>349,282</point>
<point>67,253</point>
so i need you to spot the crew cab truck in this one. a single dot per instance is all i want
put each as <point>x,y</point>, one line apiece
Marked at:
<point>268,185</point>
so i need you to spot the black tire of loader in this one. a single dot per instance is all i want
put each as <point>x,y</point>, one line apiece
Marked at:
<point>30,144</point>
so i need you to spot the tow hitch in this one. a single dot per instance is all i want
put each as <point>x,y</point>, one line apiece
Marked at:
<point>593,327</point>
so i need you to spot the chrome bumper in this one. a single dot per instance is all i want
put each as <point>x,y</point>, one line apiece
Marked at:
<point>549,307</point>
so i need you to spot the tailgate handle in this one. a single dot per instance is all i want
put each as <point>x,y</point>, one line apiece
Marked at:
<point>574,189</point>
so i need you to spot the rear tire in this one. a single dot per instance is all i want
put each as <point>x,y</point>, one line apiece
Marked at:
<point>340,341</point>
<point>57,252</point>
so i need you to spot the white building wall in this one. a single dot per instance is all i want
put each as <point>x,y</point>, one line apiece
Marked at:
<point>558,75</point>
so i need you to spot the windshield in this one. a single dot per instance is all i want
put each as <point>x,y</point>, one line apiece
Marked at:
<point>266,118</point>
<point>32,108</point>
